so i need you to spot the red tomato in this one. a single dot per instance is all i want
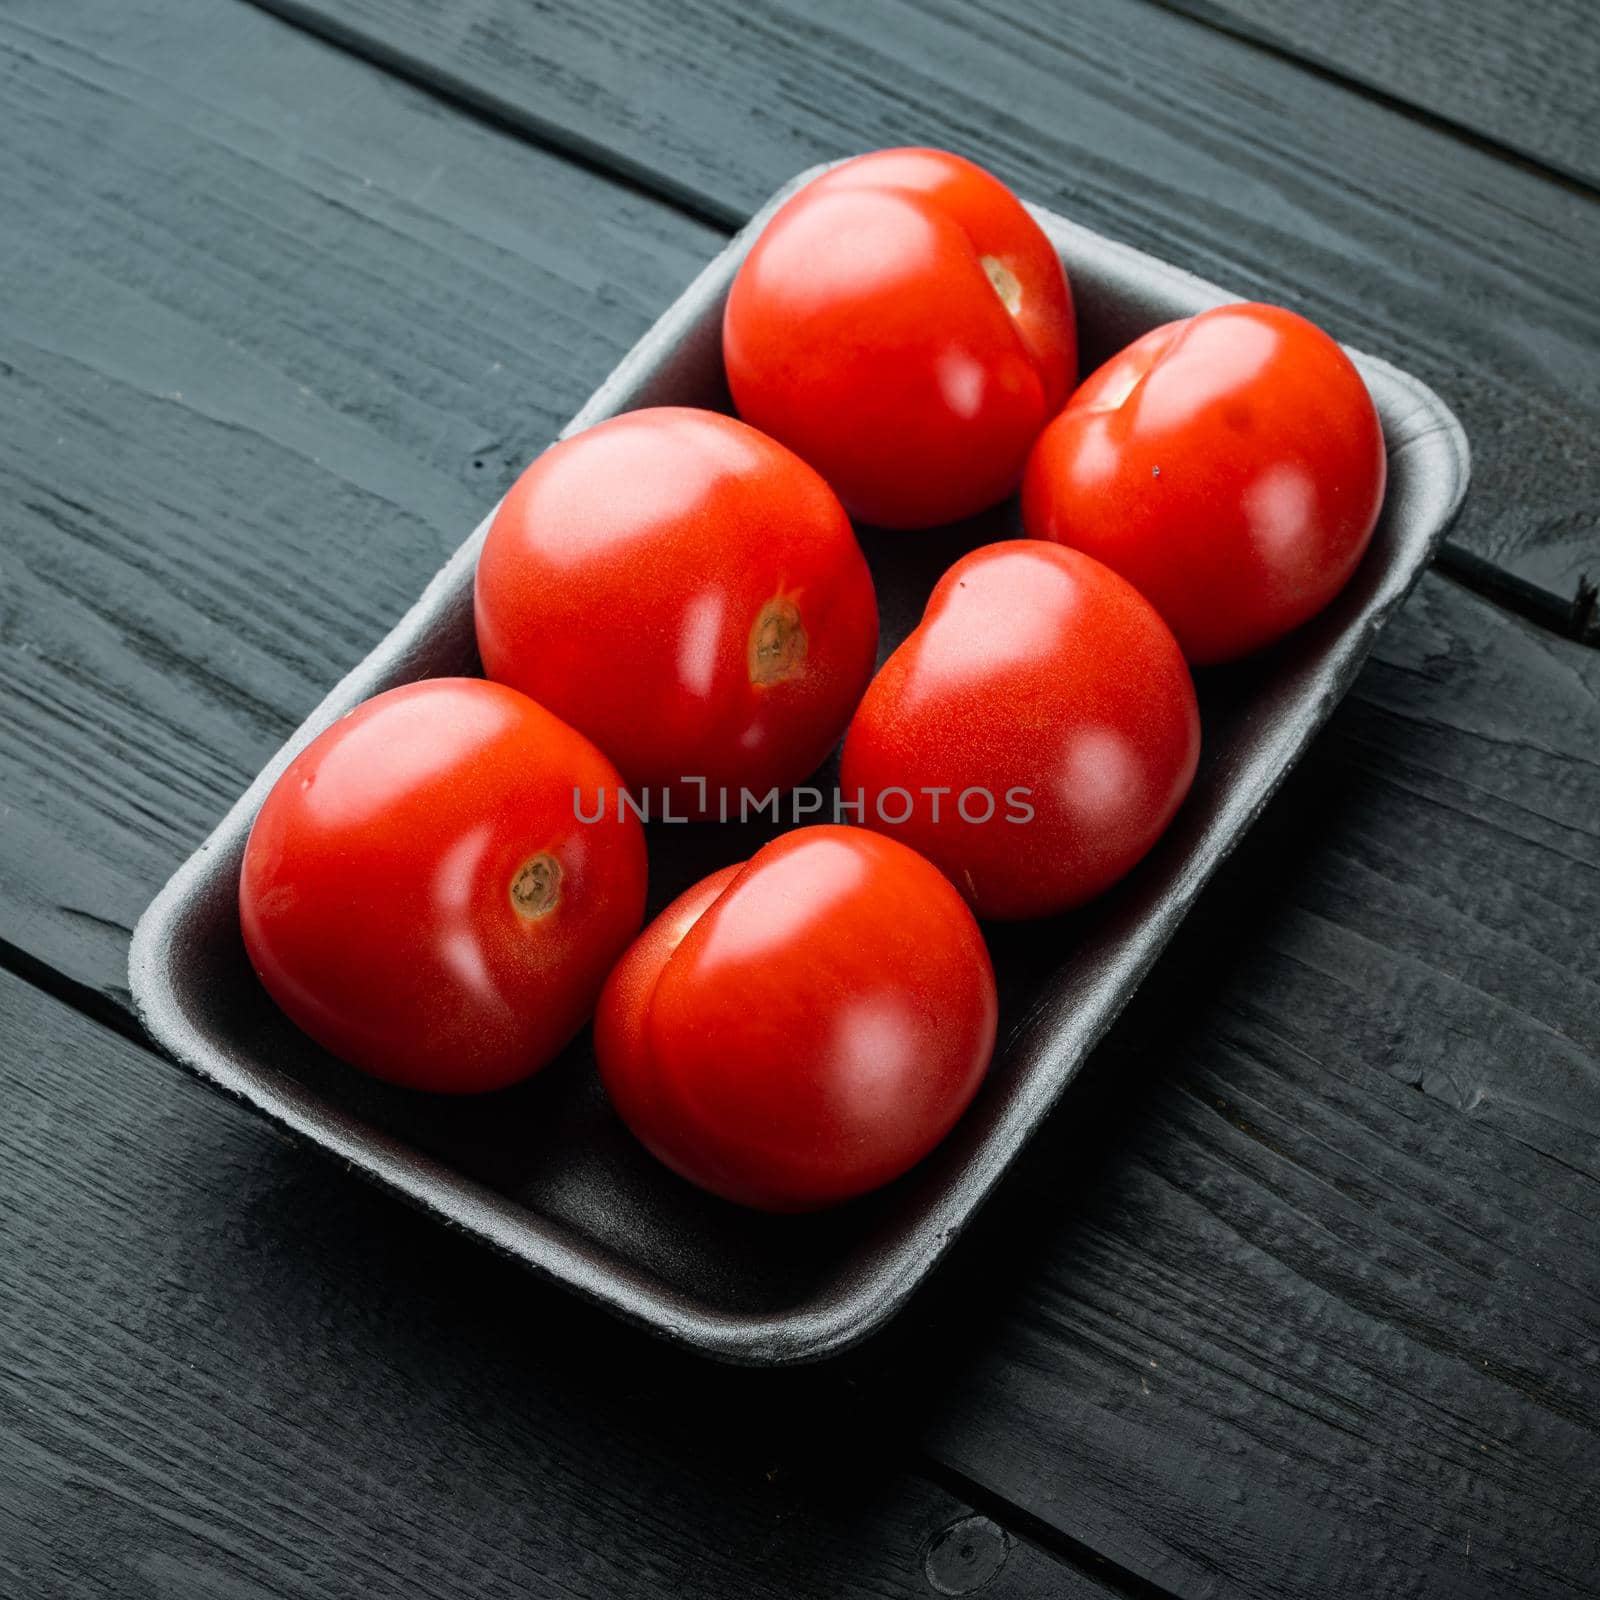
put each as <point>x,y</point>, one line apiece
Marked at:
<point>1230,466</point>
<point>688,594</point>
<point>905,325</point>
<point>418,892</point>
<point>802,1027</point>
<point>1033,736</point>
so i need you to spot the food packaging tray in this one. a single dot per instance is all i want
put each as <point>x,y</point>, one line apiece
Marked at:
<point>545,1172</point>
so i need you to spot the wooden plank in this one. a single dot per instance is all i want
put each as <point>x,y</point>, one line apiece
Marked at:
<point>275,333</point>
<point>229,1371</point>
<point>1523,76</point>
<point>1299,1294</point>
<point>1466,268</point>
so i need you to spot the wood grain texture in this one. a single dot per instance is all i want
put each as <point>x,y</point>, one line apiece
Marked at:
<point>1463,267</point>
<point>276,332</point>
<point>1523,76</point>
<point>227,1371</point>
<point>1301,1293</point>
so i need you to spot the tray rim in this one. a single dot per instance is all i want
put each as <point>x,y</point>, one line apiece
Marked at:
<point>822,1327</point>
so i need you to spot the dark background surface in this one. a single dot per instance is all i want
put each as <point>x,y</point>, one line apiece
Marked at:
<point>1299,1293</point>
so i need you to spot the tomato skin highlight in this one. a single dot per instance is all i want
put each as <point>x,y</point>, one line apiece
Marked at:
<point>1033,669</point>
<point>687,593</point>
<point>1230,466</point>
<point>803,1027</point>
<point>419,895</point>
<point>904,325</point>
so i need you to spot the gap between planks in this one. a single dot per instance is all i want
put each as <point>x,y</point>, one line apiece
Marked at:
<point>1217,20</point>
<point>501,115</point>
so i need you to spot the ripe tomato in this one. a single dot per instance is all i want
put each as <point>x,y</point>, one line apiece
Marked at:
<point>1035,733</point>
<point>687,593</point>
<point>1230,466</point>
<point>804,1026</point>
<point>419,895</point>
<point>905,325</point>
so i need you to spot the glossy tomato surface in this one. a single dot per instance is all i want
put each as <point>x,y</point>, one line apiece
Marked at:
<point>906,326</point>
<point>802,1027</point>
<point>1033,736</point>
<point>420,896</point>
<point>1230,466</point>
<point>687,593</point>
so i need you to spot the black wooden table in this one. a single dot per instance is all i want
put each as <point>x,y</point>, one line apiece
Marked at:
<point>1299,1294</point>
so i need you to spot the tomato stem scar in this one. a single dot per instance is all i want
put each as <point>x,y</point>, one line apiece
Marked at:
<point>537,886</point>
<point>1005,283</point>
<point>777,642</point>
